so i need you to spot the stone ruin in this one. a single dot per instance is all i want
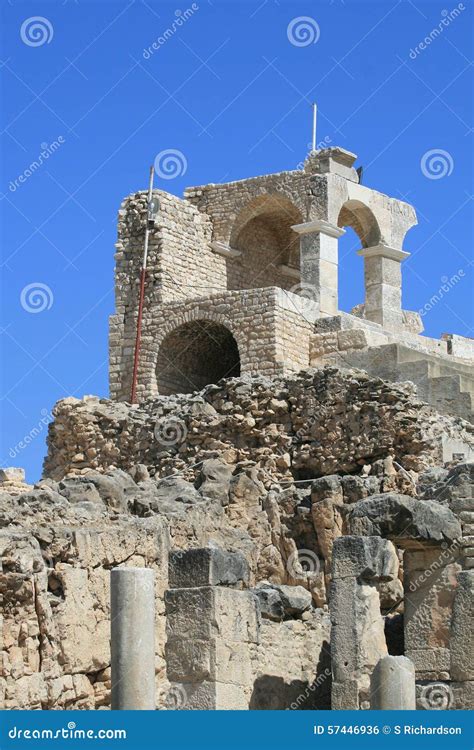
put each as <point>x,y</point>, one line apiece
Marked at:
<point>299,479</point>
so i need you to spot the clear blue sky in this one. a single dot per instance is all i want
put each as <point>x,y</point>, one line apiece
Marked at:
<point>232,92</point>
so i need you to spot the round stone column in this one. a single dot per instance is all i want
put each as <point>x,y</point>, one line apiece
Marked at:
<point>132,611</point>
<point>392,685</point>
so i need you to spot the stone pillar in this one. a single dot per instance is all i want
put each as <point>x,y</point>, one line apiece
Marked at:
<point>211,626</point>
<point>132,612</point>
<point>319,261</point>
<point>383,285</point>
<point>357,632</point>
<point>430,584</point>
<point>392,685</point>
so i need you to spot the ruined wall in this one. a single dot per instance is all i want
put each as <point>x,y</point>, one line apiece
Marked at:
<point>125,485</point>
<point>312,423</point>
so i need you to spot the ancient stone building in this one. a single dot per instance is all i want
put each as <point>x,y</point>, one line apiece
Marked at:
<point>305,509</point>
<point>243,278</point>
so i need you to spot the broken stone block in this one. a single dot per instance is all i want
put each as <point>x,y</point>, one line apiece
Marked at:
<point>403,518</point>
<point>366,558</point>
<point>207,566</point>
<point>278,601</point>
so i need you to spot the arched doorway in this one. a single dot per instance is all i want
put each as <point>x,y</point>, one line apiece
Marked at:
<point>362,230</point>
<point>269,247</point>
<point>196,354</point>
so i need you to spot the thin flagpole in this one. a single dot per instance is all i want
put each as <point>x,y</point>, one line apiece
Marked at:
<point>142,291</point>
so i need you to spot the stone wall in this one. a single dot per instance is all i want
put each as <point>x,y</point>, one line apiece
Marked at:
<point>311,423</point>
<point>271,328</point>
<point>272,469</point>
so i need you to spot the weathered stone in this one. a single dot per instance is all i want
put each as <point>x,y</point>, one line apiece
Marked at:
<point>392,685</point>
<point>207,567</point>
<point>132,614</point>
<point>403,518</point>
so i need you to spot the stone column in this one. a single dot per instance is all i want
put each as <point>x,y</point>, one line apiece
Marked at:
<point>392,685</point>
<point>383,285</point>
<point>319,261</point>
<point>211,626</point>
<point>357,626</point>
<point>132,612</point>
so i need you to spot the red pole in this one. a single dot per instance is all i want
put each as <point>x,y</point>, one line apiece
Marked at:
<point>142,294</point>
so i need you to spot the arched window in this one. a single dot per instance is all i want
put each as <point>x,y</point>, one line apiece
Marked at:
<point>269,247</point>
<point>362,230</point>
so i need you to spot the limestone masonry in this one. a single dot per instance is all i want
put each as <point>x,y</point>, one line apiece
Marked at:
<point>299,479</point>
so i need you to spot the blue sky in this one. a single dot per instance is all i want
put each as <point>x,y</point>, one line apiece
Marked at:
<point>231,90</point>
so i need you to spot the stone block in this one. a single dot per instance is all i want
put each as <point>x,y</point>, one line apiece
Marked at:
<point>205,696</point>
<point>190,611</point>
<point>345,696</point>
<point>236,615</point>
<point>208,566</point>
<point>366,558</point>
<point>462,638</point>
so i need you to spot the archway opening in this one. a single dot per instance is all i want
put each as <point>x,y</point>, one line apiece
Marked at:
<point>362,230</point>
<point>269,247</point>
<point>194,355</point>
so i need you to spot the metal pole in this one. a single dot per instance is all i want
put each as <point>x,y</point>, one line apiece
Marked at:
<point>315,113</point>
<point>142,293</point>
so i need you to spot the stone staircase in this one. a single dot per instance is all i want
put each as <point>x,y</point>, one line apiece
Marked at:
<point>445,382</point>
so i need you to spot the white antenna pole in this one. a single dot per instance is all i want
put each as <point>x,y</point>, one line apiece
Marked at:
<point>315,114</point>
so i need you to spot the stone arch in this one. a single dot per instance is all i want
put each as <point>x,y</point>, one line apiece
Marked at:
<point>268,247</point>
<point>362,220</point>
<point>195,353</point>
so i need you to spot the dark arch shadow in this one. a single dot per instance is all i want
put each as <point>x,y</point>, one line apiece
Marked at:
<point>196,354</point>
